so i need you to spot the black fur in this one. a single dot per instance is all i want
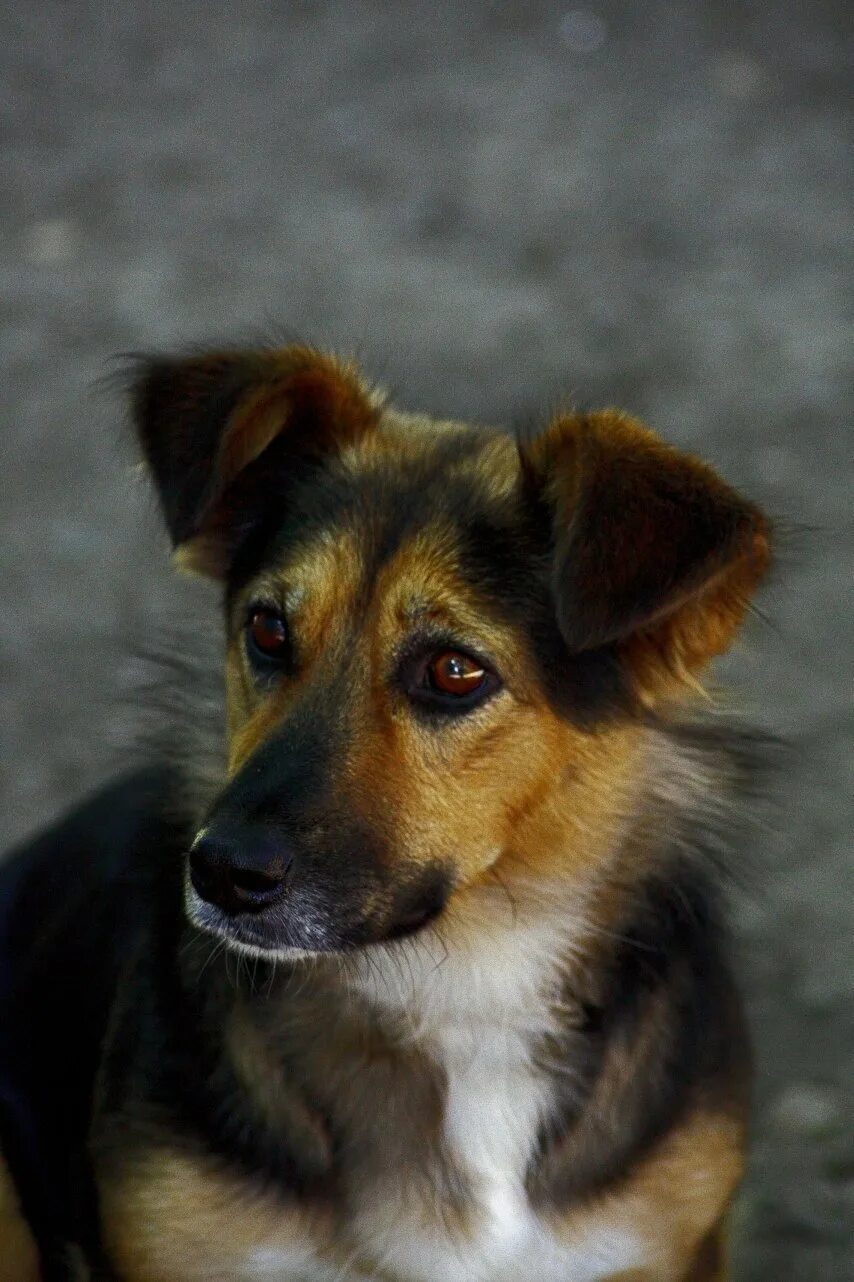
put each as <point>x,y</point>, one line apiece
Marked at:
<point>667,966</point>
<point>181,454</point>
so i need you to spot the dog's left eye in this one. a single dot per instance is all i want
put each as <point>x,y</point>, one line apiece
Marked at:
<point>449,681</point>
<point>267,633</point>
<point>455,674</point>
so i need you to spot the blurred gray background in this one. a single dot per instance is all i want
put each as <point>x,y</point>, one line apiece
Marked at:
<point>495,204</point>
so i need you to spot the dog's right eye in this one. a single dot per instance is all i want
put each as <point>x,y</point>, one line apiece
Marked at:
<point>267,634</point>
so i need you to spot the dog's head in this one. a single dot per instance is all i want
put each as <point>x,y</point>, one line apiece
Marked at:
<point>440,642</point>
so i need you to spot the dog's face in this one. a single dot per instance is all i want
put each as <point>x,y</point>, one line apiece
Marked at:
<point>439,641</point>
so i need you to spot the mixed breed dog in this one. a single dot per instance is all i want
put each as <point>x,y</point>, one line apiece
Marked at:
<point>428,985</point>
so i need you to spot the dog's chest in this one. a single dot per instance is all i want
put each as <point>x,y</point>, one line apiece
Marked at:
<point>494,1103</point>
<point>459,1211</point>
<point>432,1188</point>
<point>396,1225</point>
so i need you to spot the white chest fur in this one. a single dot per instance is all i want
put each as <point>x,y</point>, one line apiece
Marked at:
<point>479,1015</point>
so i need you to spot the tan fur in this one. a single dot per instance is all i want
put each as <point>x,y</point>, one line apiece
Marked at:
<point>174,1216</point>
<point>18,1257</point>
<point>710,1264</point>
<point>675,1199</point>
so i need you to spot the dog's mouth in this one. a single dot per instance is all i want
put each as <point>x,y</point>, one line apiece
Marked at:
<point>303,920</point>
<point>410,923</point>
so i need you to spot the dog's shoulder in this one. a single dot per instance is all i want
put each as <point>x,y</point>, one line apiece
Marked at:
<point>72,901</point>
<point>64,890</point>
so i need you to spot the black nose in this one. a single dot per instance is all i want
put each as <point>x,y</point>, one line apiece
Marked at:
<point>240,870</point>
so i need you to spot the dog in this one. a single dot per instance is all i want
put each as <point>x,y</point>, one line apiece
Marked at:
<point>430,985</point>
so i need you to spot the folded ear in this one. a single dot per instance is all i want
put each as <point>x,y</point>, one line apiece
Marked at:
<point>652,552</point>
<point>205,422</point>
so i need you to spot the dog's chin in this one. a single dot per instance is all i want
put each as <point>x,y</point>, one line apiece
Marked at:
<point>272,936</point>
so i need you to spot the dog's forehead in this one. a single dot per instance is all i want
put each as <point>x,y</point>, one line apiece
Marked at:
<point>415,493</point>
<point>417,467</point>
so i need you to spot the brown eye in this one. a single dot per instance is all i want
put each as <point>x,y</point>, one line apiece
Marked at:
<point>446,682</point>
<point>455,674</point>
<point>268,632</point>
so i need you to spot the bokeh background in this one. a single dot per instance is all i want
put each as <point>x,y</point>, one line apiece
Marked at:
<point>496,204</point>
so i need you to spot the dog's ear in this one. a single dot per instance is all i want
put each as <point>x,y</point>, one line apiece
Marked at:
<point>653,553</point>
<point>205,422</point>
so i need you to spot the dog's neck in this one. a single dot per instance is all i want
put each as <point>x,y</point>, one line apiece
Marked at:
<point>462,981</point>
<point>477,1012</point>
